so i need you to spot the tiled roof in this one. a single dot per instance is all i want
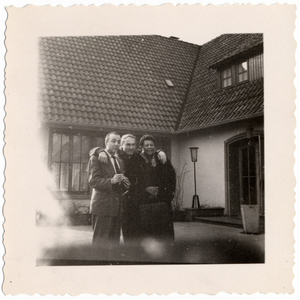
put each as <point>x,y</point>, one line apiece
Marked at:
<point>115,81</point>
<point>122,82</point>
<point>207,105</point>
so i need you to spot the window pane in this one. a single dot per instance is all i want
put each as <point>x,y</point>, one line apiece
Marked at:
<point>65,148</point>
<point>85,149</point>
<point>84,179</point>
<point>252,166</point>
<point>242,77</point>
<point>242,71</point>
<point>243,67</point>
<point>252,191</point>
<point>64,177</point>
<point>245,162</point>
<point>227,82</point>
<point>56,147</point>
<point>76,177</point>
<point>69,171</point>
<point>76,148</point>
<point>227,73</point>
<point>245,191</point>
<point>226,77</point>
<point>55,175</point>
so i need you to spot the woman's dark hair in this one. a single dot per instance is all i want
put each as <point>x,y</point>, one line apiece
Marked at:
<point>147,137</point>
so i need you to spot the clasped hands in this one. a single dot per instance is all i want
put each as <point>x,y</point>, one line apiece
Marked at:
<point>153,191</point>
<point>120,178</point>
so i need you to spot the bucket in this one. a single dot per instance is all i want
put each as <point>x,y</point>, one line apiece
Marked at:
<point>250,216</point>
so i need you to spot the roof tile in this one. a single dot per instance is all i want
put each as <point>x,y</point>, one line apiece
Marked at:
<point>206,105</point>
<point>120,81</point>
<point>118,77</point>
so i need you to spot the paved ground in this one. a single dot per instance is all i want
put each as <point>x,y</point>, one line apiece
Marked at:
<point>195,243</point>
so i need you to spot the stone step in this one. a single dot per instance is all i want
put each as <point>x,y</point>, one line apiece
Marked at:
<point>227,221</point>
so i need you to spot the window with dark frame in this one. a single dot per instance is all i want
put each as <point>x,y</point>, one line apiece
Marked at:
<point>69,156</point>
<point>226,77</point>
<point>242,71</point>
<point>81,148</point>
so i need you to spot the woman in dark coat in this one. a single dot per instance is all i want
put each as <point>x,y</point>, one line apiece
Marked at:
<point>156,184</point>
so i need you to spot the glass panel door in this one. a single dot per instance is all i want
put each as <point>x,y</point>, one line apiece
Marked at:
<point>249,173</point>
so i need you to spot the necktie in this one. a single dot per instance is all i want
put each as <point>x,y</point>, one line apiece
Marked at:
<point>118,171</point>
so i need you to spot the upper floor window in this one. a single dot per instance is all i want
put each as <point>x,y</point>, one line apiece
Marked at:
<point>242,71</point>
<point>226,77</point>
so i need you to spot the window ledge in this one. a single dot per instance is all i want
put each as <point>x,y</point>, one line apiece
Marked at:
<point>234,85</point>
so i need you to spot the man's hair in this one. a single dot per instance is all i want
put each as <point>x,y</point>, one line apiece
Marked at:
<point>147,137</point>
<point>108,135</point>
<point>125,136</point>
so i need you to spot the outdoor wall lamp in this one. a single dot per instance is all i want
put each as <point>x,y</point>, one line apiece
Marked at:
<point>194,155</point>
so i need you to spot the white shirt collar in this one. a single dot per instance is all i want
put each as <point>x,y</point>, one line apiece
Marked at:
<point>111,155</point>
<point>113,161</point>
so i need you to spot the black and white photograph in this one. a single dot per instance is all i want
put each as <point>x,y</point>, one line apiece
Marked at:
<point>185,125</point>
<point>148,146</point>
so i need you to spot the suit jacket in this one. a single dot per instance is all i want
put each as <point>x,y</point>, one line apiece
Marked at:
<point>106,197</point>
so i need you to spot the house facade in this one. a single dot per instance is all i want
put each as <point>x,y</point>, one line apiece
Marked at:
<point>223,116</point>
<point>186,95</point>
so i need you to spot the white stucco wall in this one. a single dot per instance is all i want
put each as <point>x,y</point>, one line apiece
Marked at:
<point>210,167</point>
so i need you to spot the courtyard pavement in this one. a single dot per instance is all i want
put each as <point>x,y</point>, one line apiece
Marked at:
<point>195,243</point>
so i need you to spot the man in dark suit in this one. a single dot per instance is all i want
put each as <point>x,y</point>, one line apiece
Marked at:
<point>108,184</point>
<point>131,159</point>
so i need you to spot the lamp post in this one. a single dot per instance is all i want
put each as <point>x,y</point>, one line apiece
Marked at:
<point>194,154</point>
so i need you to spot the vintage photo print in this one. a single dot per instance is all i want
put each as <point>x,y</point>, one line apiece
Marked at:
<point>147,147</point>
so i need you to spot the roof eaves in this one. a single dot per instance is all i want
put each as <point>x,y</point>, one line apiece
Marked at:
<point>219,123</point>
<point>242,54</point>
<point>88,126</point>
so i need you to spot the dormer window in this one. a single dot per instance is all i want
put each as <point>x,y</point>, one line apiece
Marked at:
<point>226,77</point>
<point>234,74</point>
<point>241,71</point>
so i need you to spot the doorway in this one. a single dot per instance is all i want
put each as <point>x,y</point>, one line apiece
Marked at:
<point>244,173</point>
